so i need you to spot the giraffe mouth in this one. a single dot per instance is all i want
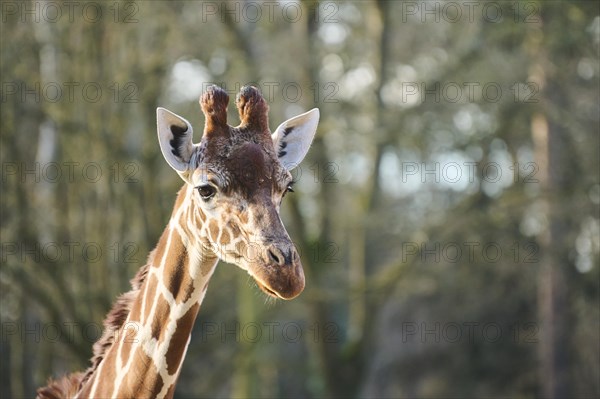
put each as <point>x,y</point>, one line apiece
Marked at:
<point>278,287</point>
<point>267,290</point>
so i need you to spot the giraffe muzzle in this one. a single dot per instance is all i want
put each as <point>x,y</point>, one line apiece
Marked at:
<point>281,274</point>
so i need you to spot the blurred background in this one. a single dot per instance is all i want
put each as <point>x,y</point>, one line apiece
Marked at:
<point>447,213</point>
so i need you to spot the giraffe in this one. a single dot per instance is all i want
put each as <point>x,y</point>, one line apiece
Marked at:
<point>228,209</point>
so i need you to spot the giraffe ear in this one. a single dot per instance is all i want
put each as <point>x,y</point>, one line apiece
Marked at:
<point>175,138</point>
<point>293,137</point>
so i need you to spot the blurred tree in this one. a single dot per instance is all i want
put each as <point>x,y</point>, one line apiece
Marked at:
<point>405,295</point>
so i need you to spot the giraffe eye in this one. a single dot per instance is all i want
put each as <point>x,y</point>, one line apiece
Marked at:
<point>206,191</point>
<point>288,189</point>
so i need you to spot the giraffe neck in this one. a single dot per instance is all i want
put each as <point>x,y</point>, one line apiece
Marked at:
<point>146,355</point>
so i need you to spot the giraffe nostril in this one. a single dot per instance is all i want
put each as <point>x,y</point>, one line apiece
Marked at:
<point>276,255</point>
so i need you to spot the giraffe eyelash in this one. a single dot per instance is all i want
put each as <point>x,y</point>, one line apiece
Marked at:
<point>290,187</point>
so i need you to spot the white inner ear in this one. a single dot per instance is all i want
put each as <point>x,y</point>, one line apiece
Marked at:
<point>175,138</point>
<point>293,137</point>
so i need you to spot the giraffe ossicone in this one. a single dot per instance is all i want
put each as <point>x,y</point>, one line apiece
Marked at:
<point>228,209</point>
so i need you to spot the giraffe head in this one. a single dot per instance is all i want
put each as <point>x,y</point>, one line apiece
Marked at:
<point>236,178</point>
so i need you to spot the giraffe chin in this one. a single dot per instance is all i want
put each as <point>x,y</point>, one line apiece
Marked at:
<point>266,290</point>
<point>291,292</point>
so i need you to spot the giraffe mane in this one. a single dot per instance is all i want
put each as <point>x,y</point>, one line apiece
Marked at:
<point>65,387</point>
<point>70,384</point>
